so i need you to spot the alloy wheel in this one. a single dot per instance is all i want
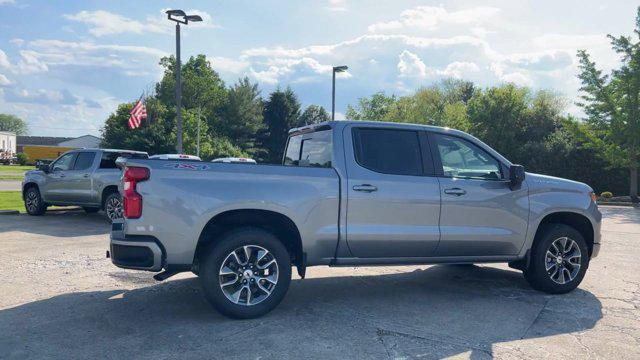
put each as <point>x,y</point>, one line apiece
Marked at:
<point>113,208</point>
<point>248,275</point>
<point>562,260</point>
<point>32,201</point>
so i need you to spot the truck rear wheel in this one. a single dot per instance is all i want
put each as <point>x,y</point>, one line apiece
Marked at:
<point>113,206</point>
<point>246,273</point>
<point>559,260</point>
<point>33,202</point>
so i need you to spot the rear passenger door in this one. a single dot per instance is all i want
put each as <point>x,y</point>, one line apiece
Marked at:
<point>393,204</point>
<point>480,214</point>
<point>80,180</point>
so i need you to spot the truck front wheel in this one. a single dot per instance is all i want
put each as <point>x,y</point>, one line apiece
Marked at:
<point>246,273</point>
<point>33,202</point>
<point>559,259</point>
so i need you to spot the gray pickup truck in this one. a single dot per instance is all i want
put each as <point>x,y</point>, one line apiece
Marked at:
<point>84,177</point>
<point>351,194</point>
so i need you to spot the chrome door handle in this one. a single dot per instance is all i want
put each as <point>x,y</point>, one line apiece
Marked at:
<point>455,191</point>
<point>365,188</point>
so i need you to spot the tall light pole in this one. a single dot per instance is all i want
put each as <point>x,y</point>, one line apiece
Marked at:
<point>336,69</point>
<point>179,17</point>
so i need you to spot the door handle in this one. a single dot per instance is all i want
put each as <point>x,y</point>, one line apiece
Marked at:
<point>365,188</point>
<point>455,191</point>
<point>61,175</point>
<point>86,175</point>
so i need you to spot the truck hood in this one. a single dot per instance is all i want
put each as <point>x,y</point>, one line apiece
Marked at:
<point>539,182</point>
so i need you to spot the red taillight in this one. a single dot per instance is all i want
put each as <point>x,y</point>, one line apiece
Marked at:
<point>131,200</point>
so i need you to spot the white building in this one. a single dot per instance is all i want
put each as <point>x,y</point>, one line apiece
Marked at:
<point>7,142</point>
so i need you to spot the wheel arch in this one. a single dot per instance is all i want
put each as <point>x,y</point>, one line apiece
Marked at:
<point>108,190</point>
<point>576,220</point>
<point>28,186</point>
<point>274,222</point>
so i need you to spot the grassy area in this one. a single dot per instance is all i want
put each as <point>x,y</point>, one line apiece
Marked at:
<point>11,200</point>
<point>15,168</point>
<point>13,172</point>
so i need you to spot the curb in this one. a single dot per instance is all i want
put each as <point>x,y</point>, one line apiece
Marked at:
<point>612,203</point>
<point>9,212</point>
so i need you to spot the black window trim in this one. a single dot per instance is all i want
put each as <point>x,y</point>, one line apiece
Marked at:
<point>437,162</point>
<point>426,158</point>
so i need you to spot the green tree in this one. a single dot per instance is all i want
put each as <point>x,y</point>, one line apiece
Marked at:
<point>442,104</point>
<point>281,113</point>
<point>612,103</point>
<point>203,93</point>
<point>153,136</point>
<point>314,114</point>
<point>13,124</point>
<point>374,109</point>
<point>498,117</point>
<point>242,118</point>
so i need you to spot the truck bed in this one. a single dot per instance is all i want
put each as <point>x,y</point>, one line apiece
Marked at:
<point>180,198</point>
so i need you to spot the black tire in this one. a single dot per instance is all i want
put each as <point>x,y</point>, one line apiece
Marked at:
<point>109,201</point>
<point>90,210</point>
<point>537,274</point>
<point>212,263</point>
<point>33,202</point>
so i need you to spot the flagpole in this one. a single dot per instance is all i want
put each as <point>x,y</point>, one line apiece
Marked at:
<point>198,146</point>
<point>178,92</point>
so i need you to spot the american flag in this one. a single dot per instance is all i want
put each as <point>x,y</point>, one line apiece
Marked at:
<point>138,113</point>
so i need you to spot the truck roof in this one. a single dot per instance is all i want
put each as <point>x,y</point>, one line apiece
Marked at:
<point>332,124</point>
<point>110,150</point>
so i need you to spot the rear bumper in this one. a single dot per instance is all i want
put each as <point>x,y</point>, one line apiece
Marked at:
<point>135,252</point>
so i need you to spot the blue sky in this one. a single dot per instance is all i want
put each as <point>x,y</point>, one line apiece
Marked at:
<point>65,65</point>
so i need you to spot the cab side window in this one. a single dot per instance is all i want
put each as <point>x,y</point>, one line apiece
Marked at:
<point>64,163</point>
<point>463,159</point>
<point>388,151</point>
<point>84,160</point>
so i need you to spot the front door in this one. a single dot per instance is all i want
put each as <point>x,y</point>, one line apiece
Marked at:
<point>393,205</point>
<point>55,188</point>
<point>480,214</point>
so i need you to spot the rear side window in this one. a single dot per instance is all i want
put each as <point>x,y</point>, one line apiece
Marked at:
<point>312,150</point>
<point>108,160</point>
<point>388,151</point>
<point>84,160</point>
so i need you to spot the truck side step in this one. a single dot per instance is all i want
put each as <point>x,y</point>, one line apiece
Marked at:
<point>165,275</point>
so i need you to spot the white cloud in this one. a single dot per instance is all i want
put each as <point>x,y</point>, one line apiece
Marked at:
<point>411,65</point>
<point>30,63</point>
<point>4,2</point>
<point>229,65</point>
<point>305,69</point>
<point>431,17</point>
<point>103,22</point>
<point>4,60</point>
<point>517,78</point>
<point>4,81</point>
<point>17,41</point>
<point>338,5</point>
